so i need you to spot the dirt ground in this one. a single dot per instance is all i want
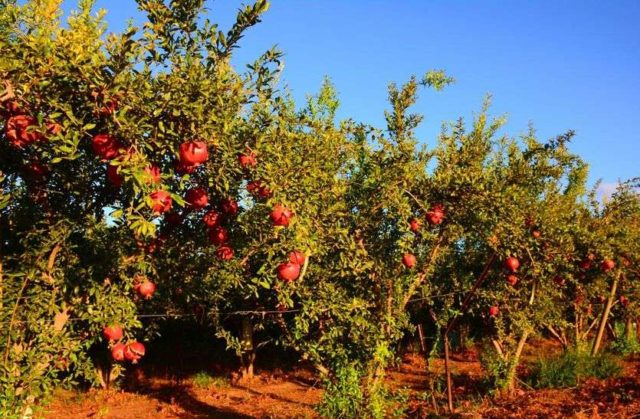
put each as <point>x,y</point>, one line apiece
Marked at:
<point>277,394</point>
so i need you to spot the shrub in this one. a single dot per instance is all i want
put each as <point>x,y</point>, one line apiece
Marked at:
<point>570,368</point>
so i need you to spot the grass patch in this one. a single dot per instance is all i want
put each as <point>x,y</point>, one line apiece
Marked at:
<point>205,380</point>
<point>570,368</point>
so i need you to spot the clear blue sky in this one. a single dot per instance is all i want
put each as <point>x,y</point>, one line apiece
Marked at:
<point>559,64</point>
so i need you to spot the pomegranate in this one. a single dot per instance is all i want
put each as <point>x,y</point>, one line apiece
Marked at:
<point>607,265</point>
<point>218,236</point>
<point>19,130</point>
<point>624,301</point>
<point>105,146</point>
<point>281,216</point>
<point>230,207</point>
<point>134,351</point>
<point>512,280</point>
<point>247,159</point>
<point>117,352</point>
<point>193,153</point>
<point>536,234</point>
<point>512,264</point>
<point>297,257</point>
<point>197,198</point>
<point>224,253</point>
<point>409,260</point>
<point>435,215</point>
<point>493,311</point>
<point>160,201</point>
<point>212,219</point>
<point>112,333</point>
<point>558,280</point>
<point>146,289</point>
<point>414,225</point>
<point>288,271</point>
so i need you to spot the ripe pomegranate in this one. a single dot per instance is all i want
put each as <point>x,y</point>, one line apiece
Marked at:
<point>512,264</point>
<point>193,153</point>
<point>224,253</point>
<point>105,146</point>
<point>20,132</point>
<point>229,206</point>
<point>414,225</point>
<point>409,260</point>
<point>212,219</point>
<point>512,280</point>
<point>117,352</point>
<point>152,174</point>
<point>115,178</point>
<point>247,159</point>
<point>607,265</point>
<point>146,289</point>
<point>435,215</point>
<point>536,234</point>
<point>288,271</point>
<point>218,236</point>
<point>197,198</point>
<point>160,201</point>
<point>297,257</point>
<point>493,311</point>
<point>281,216</point>
<point>134,351</point>
<point>112,333</point>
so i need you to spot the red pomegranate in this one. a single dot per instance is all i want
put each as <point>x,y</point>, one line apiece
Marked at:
<point>134,351</point>
<point>247,159</point>
<point>117,352</point>
<point>607,265</point>
<point>536,234</point>
<point>435,215</point>
<point>512,280</point>
<point>112,333</point>
<point>229,206</point>
<point>224,253</point>
<point>288,271</point>
<point>512,264</point>
<point>624,301</point>
<point>193,153</point>
<point>218,236</point>
<point>558,280</point>
<point>115,178</point>
<point>197,198</point>
<point>105,146</point>
<point>493,311</point>
<point>281,216</point>
<point>585,264</point>
<point>414,225</point>
<point>160,201</point>
<point>297,257</point>
<point>146,289</point>
<point>212,219</point>
<point>409,260</point>
<point>20,130</point>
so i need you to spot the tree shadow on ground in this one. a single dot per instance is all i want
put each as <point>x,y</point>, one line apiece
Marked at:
<point>181,396</point>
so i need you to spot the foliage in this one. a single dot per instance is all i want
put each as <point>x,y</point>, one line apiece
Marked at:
<point>570,368</point>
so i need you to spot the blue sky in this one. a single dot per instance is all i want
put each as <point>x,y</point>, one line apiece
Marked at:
<point>572,64</point>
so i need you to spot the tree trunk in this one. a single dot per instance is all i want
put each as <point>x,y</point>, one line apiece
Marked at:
<point>248,356</point>
<point>604,318</point>
<point>511,374</point>
<point>448,372</point>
